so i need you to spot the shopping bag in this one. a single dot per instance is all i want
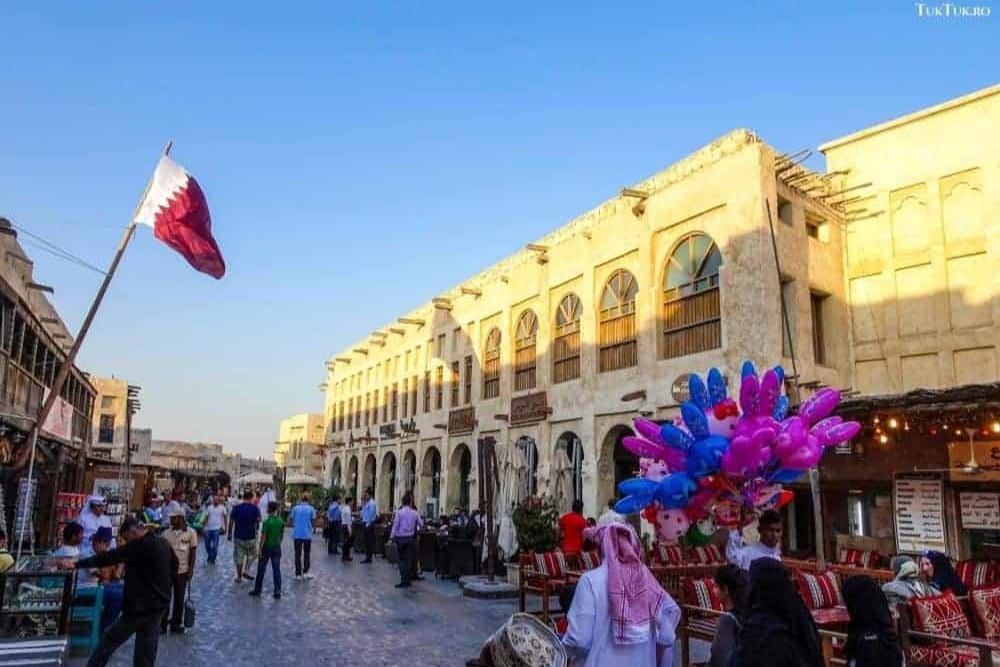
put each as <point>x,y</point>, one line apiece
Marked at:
<point>189,610</point>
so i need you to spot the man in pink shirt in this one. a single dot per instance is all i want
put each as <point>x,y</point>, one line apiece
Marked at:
<point>404,532</point>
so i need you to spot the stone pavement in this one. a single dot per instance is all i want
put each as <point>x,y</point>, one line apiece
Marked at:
<point>349,614</point>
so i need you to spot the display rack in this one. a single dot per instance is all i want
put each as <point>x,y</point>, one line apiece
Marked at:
<point>68,508</point>
<point>115,492</point>
<point>35,598</point>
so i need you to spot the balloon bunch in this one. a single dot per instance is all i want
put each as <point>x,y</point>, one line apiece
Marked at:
<point>721,458</point>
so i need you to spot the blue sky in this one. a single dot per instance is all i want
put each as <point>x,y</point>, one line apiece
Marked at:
<point>359,158</point>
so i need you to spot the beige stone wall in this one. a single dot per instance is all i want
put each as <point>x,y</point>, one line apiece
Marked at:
<point>719,191</point>
<point>923,255</point>
<point>300,443</point>
<point>111,399</point>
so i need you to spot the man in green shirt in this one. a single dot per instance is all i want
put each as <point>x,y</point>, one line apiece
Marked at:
<point>271,534</point>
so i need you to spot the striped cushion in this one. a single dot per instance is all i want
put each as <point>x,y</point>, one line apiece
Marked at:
<point>551,564</point>
<point>985,603</point>
<point>669,554</point>
<point>940,655</point>
<point>590,559</point>
<point>940,615</point>
<point>976,573</point>
<point>703,593</point>
<point>707,555</point>
<point>820,591</point>
<point>858,557</point>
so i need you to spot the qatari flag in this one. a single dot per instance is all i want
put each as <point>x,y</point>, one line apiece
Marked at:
<point>176,209</point>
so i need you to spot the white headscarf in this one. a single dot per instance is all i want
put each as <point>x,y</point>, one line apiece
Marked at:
<point>91,522</point>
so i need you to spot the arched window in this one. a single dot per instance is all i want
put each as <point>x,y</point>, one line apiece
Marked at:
<point>491,365</point>
<point>692,321</point>
<point>524,351</point>
<point>616,333</point>
<point>566,340</point>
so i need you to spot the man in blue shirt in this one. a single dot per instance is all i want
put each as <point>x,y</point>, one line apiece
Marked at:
<point>303,515</point>
<point>368,515</point>
<point>333,526</point>
<point>244,518</point>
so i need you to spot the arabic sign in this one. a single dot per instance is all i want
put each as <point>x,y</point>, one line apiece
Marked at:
<point>59,422</point>
<point>919,515</point>
<point>462,420</point>
<point>980,511</point>
<point>530,408</point>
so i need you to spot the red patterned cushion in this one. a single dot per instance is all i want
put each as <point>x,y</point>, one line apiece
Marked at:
<point>830,616</point>
<point>820,591</point>
<point>703,593</point>
<point>669,555</point>
<point>858,557</point>
<point>985,603</point>
<point>976,573</point>
<point>590,559</point>
<point>940,615</point>
<point>708,555</point>
<point>551,564</point>
<point>941,655</point>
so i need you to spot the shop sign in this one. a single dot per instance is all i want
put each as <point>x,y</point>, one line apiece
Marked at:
<point>980,511</point>
<point>919,514</point>
<point>462,420</point>
<point>388,431</point>
<point>408,427</point>
<point>59,422</point>
<point>679,389</point>
<point>530,408</point>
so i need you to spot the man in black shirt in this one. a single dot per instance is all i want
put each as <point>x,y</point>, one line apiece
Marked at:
<point>150,565</point>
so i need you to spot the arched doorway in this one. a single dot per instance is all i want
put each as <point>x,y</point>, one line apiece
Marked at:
<point>528,483</point>
<point>369,474</point>
<point>430,482</point>
<point>617,463</point>
<point>568,469</point>
<point>409,471</point>
<point>460,478</point>
<point>336,476</point>
<point>387,482</point>
<point>352,478</point>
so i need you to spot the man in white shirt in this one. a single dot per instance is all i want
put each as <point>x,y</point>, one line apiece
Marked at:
<point>770,529</point>
<point>346,518</point>
<point>215,522</point>
<point>610,515</point>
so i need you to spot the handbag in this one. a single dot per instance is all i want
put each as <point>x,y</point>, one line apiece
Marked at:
<point>189,610</point>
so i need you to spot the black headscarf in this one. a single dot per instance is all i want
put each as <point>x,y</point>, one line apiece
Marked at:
<point>779,630</point>
<point>871,634</point>
<point>945,578</point>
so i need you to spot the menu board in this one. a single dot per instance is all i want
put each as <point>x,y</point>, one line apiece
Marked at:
<point>980,510</point>
<point>919,515</point>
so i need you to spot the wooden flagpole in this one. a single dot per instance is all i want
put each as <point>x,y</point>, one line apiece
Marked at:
<point>67,365</point>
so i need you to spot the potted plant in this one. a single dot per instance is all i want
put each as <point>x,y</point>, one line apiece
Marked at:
<point>535,521</point>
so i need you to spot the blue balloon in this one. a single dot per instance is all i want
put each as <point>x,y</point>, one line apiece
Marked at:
<point>631,505</point>
<point>695,420</point>
<point>786,475</point>
<point>716,387</point>
<point>748,369</point>
<point>675,437</point>
<point>674,492</point>
<point>698,391</point>
<point>637,486</point>
<point>779,370</point>
<point>706,455</point>
<point>780,409</point>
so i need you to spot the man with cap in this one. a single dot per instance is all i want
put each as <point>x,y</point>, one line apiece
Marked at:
<point>184,541</point>
<point>149,566</point>
<point>91,518</point>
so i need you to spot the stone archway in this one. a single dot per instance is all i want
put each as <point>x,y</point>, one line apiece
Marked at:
<point>387,483</point>
<point>460,478</point>
<point>409,471</point>
<point>616,463</point>
<point>368,478</point>
<point>567,469</point>
<point>430,482</point>
<point>529,451</point>
<point>352,479</point>
<point>337,473</point>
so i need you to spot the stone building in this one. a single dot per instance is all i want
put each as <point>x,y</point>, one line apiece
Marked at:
<point>110,421</point>
<point>300,445</point>
<point>237,465</point>
<point>559,346</point>
<point>192,459</point>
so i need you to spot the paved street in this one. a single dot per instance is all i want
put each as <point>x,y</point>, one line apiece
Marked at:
<point>350,614</point>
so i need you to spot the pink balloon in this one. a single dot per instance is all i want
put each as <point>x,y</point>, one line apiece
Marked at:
<point>839,433</point>
<point>649,430</point>
<point>671,525</point>
<point>792,437</point>
<point>749,395</point>
<point>819,405</point>
<point>770,389</point>
<point>804,457</point>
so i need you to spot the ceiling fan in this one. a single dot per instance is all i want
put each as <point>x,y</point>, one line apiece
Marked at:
<point>970,467</point>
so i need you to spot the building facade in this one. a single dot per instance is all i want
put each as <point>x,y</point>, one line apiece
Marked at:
<point>300,447</point>
<point>558,347</point>
<point>194,459</point>
<point>237,465</point>
<point>110,419</point>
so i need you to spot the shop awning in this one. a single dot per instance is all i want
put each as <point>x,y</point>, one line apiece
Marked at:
<point>300,478</point>
<point>967,397</point>
<point>256,478</point>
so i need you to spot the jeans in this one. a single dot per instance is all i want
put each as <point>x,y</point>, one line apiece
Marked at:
<point>407,547</point>
<point>146,629</point>
<point>272,554</point>
<point>333,540</point>
<point>178,585</point>
<point>369,541</point>
<point>114,594</point>
<point>302,549</point>
<point>212,544</point>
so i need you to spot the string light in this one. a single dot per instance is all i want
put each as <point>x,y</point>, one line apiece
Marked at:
<point>893,423</point>
<point>996,427</point>
<point>883,439</point>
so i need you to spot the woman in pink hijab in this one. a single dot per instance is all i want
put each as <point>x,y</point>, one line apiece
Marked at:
<point>620,616</point>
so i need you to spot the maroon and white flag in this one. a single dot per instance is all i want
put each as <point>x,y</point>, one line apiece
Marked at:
<point>176,209</point>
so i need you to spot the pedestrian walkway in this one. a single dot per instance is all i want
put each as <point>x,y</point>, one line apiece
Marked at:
<point>350,614</point>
